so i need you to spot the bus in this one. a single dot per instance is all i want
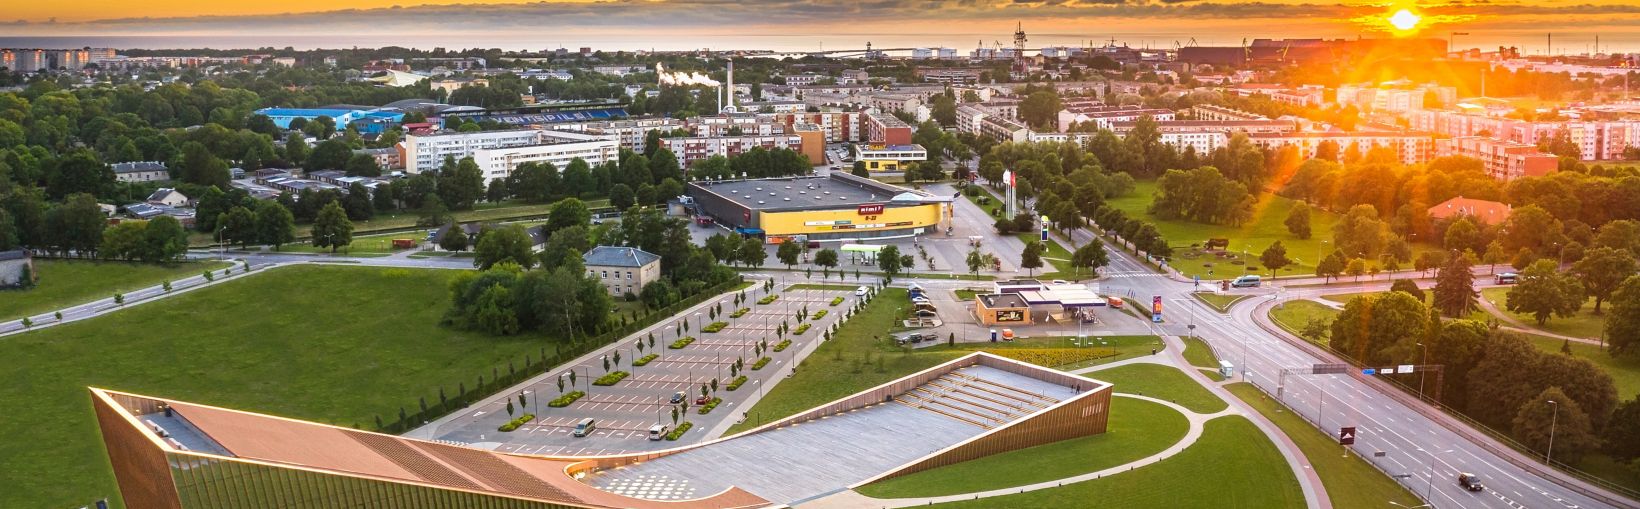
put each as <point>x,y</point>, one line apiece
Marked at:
<point>1507,278</point>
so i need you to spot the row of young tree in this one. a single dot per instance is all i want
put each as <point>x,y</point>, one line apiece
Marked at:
<point>1495,376</point>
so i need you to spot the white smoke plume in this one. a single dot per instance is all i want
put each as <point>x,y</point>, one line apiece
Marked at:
<point>683,78</point>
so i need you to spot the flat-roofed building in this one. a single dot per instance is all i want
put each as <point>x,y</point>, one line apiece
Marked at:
<point>1504,160</point>
<point>1409,147</point>
<point>838,206</point>
<point>886,129</point>
<point>695,148</point>
<point>889,157</point>
<point>505,149</point>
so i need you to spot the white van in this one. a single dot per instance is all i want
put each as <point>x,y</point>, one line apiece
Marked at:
<point>585,427</point>
<point>860,292</point>
<point>657,432</point>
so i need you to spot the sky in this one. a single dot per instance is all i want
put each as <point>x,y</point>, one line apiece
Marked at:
<point>800,25</point>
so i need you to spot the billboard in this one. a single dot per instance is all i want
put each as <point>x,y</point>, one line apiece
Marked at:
<point>867,210</point>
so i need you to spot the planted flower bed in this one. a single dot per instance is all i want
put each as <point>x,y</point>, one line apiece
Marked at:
<point>819,314</point>
<point>681,342</point>
<point>611,378</point>
<point>738,381</point>
<point>645,360</point>
<point>707,408</point>
<point>714,326</point>
<point>836,300</point>
<point>515,423</point>
<point>760,363</point>
<point>740,312</point>
<point>768,300</point>
<point>566,399</point>
<point>676,433</point>
<point>801,329</point>
<point>782,346</point>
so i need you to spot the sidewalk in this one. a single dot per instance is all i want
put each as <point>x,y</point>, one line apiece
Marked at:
<point>103,306</point>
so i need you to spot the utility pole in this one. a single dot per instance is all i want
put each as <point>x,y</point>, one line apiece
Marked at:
<point>1547,455</point>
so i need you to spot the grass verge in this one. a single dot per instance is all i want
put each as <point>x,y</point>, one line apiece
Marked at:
<point>1293,315</point>
<point>1231,465</point>
<point>1351,482</point>
<point>1221,303</point>
<point>1162,382</point>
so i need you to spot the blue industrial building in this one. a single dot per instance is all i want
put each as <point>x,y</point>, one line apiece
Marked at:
<point>373,121</point>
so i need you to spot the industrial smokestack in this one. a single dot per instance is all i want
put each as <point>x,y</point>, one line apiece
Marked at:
<point>729,90</point>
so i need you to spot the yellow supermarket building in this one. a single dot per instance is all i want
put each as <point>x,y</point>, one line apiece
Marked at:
<point>835,207</point>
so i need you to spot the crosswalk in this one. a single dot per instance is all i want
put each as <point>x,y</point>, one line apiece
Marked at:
<point>1130,274</point>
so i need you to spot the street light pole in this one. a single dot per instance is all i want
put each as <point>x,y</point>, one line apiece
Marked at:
<point>1421,373</point>
<point>1548,455</point>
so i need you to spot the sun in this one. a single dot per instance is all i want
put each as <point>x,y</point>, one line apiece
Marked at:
<point>1404,20</point>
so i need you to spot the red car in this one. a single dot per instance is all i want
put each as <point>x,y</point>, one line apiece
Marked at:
<point>701,400</point>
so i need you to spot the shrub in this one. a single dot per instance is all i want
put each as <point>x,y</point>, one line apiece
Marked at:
<point>707,408</point>
<point>760,363</point>
<point>681,429</point>
<point>611,378</point>
<point>782,346</point>
<point>515,423</point>
<point>836,300</point>
<point>714,326</point>
<point>644,361</point>
<point>768,300</point>
<point>208,276</point>
<point>566,399</point>
<point>740,312</point>
<point>738,381</point>
<point>681,342</point>
<point>819,314</point>
<point>801,329</point>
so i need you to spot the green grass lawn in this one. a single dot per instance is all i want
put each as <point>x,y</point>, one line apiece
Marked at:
<point>1246,241</point>
<point>1137,429</point>
<point>1216,301</point>
<point>1585,324</point>
<point>1293,314</point>
<point>68,283</point>
<point>966,294</point>
<point>1199,354</point>
<point>1625,371</point>
<point>333,344</point>
<point>1163,382</point>
<point>366,244</point>
<point>1232,465</point>
<point>1351,482</point>
<point>993,204</point>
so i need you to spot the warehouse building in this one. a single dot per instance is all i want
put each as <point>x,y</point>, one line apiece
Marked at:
<point>835,207</point>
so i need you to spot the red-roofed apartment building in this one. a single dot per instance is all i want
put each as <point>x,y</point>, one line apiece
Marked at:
<point>1485,211</point>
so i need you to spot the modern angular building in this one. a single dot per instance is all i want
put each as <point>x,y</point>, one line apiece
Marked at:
<point>170,454</point>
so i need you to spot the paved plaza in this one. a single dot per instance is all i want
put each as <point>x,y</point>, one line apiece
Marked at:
<point>624,412</point>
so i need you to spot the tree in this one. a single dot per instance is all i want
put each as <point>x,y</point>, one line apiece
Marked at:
<point>1331,266</point>
<point>888,259</point>
<point>751,252</point>
<point>275,225</point>
<point>1355,268</point>
<point>1622,435</point>
<point>826,258</point>
<point>332,228</point>
<point>568,212</point>
<point>460,188</point>
<point>1360,231</point>
<point>357,202</point>
<point>1031,259</point>
<point>1602,270</point>
<point>1298,221</point>
<point>787,253</point>
<point>1543,291</point>
<point>454,238</point>
<point>1455,288</point>
<point>200,166</point>
<point>1089,256</point>
<point>506,244</point>
<point>164,239</point>
<point>238,226</point>
<point>859,170</point>
<point>493,312</point>
<point>976,261</point>
<point>1274,257</point>
<point>362,165</point>
<point>1572,430</point>
<point>1380,329</point>
<point>80,172</point>
<point>1622,329</point>
<point>123,241</point>
<point>621,196</point>
<point>331,154</point>
<point>1408,287</point>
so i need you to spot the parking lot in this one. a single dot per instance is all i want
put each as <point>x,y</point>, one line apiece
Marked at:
<point>625,411</point>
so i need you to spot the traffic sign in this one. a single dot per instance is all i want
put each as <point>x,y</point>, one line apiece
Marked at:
<point>1369,371</point>
<point>1404,368</point>
<point>1329,369</point>
<point>1346,435</point>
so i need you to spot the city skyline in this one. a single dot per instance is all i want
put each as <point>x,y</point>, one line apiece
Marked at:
<point>683,25</point>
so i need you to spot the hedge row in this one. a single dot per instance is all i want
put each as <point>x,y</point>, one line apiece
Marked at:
<point>515,423</point>
<point>740,312</point>
<point>610,378</point>
<point>782,346</point>
<point>566,399</point>
<point>676,433</point>
<point>768,300</point>
<point>760,363</point>
<point>819,314</point>
<point>739,380</point>
<point>801,329</point>
<point>714,326</point>
<point>681,342</point>
<point>707,408</point>
<point>644,361</point>
<point>836,300</point>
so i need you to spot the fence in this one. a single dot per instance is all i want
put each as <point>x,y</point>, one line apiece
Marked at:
<point>499,380</point>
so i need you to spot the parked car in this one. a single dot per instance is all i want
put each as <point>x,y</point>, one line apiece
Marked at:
<point>860,292</point>
<point>1470,482</point>
<point>658,431</point>
<point>701,400</point>
<point>678,397</point>
<point>1246,282</point>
